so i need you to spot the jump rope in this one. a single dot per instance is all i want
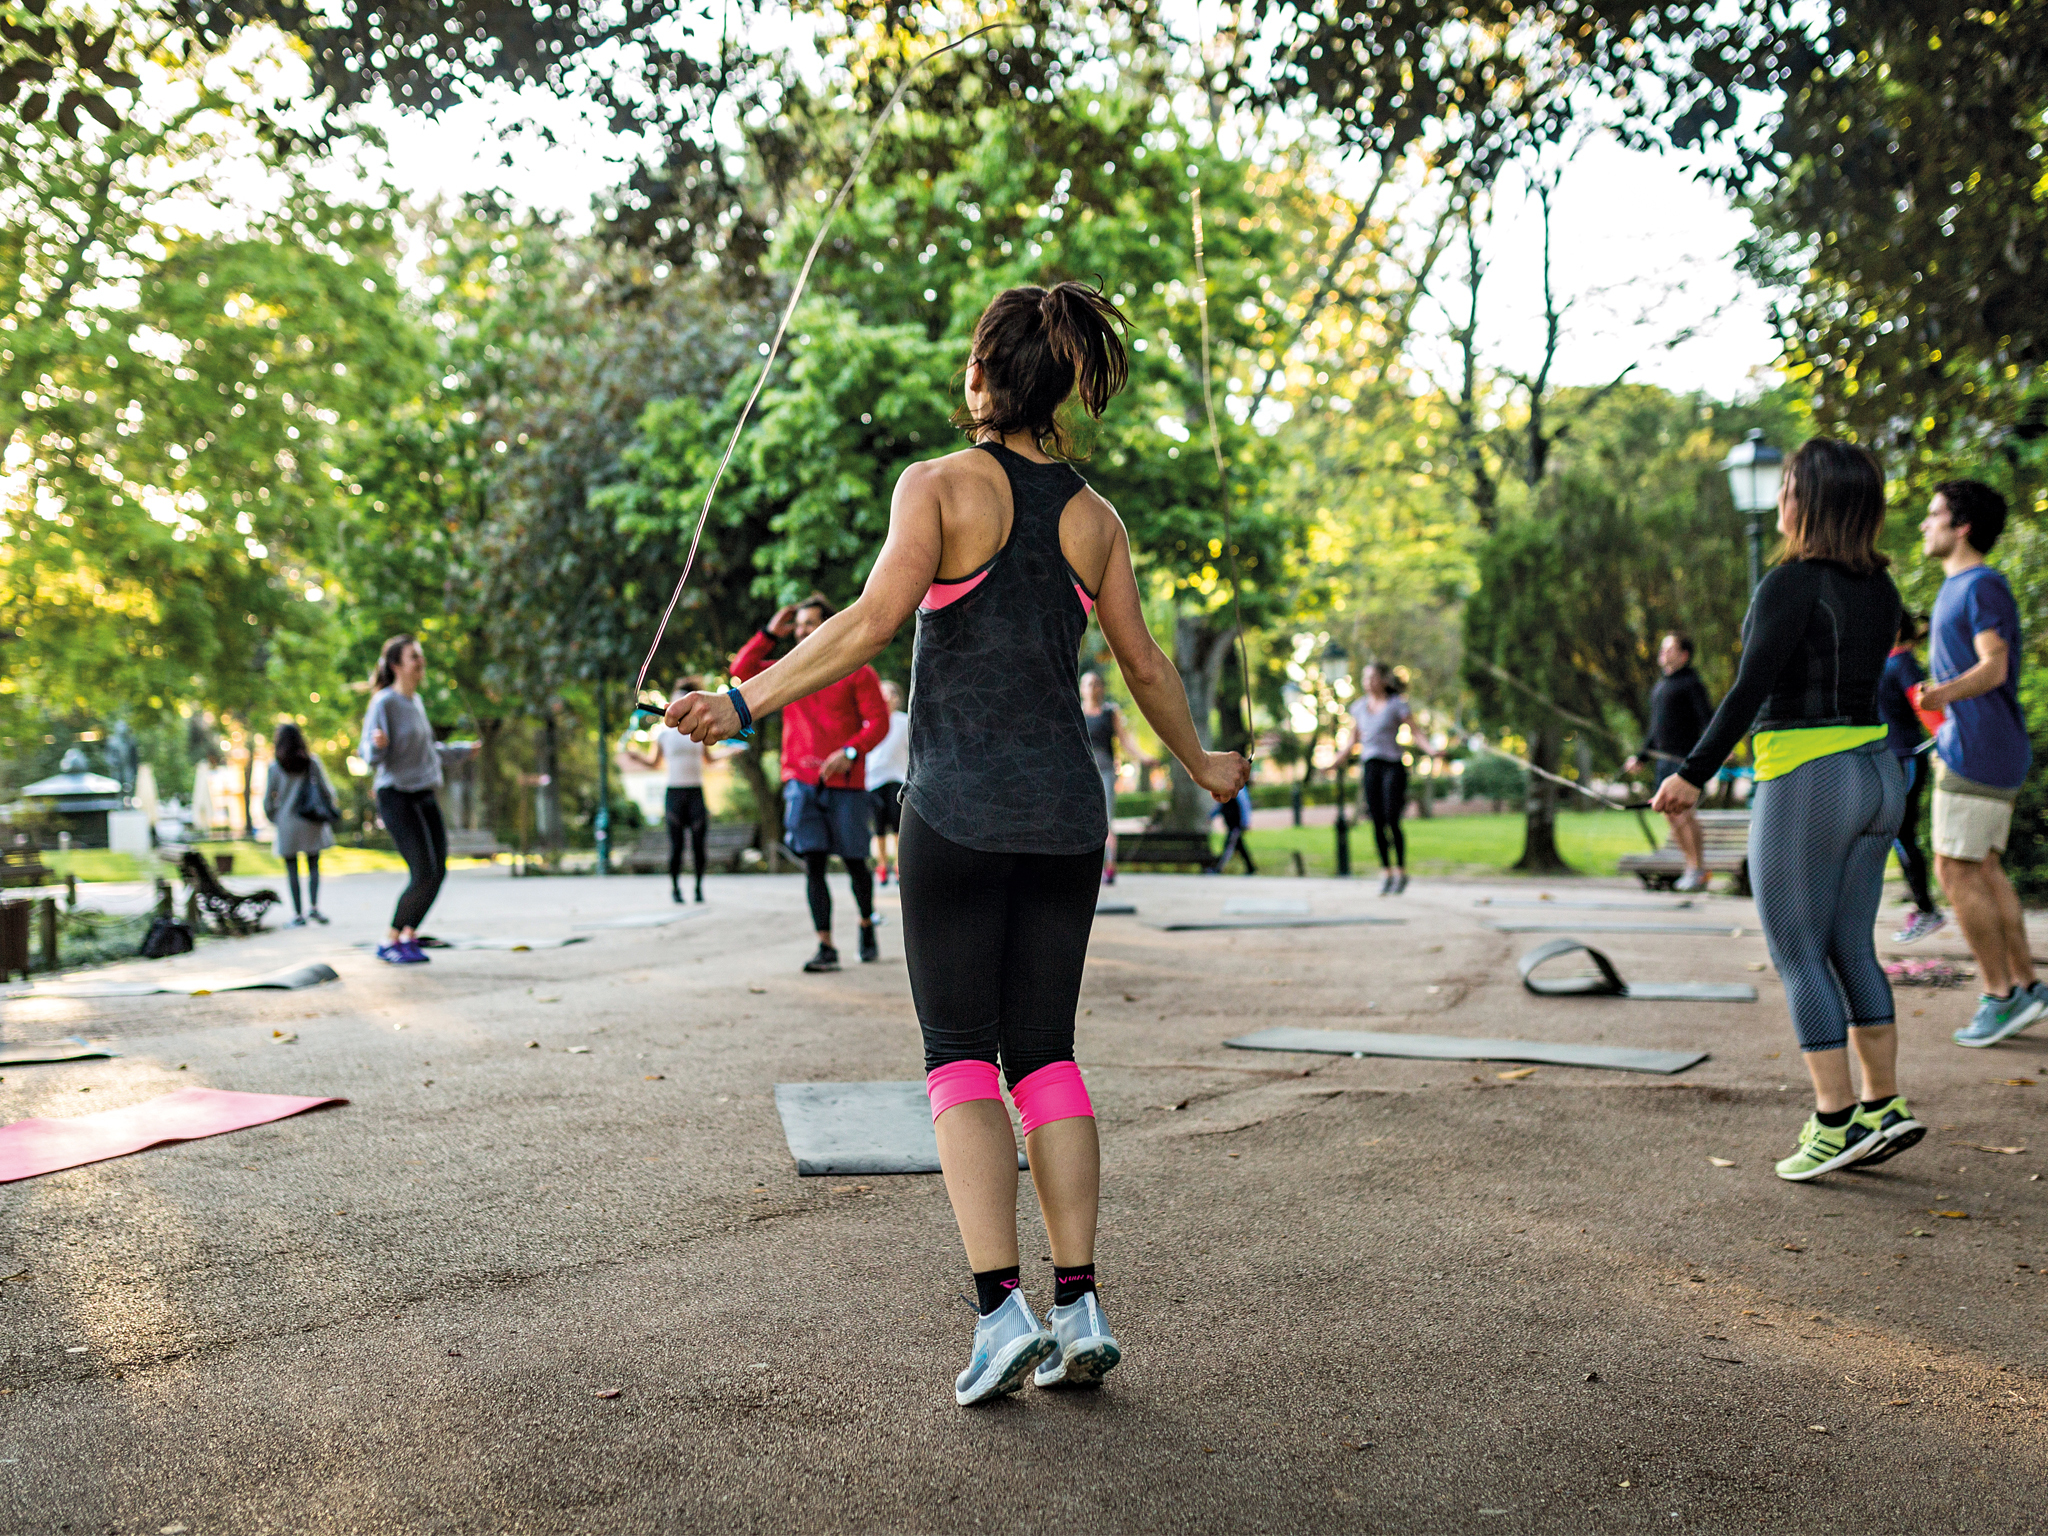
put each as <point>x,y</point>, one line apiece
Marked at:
<point>641,706</point>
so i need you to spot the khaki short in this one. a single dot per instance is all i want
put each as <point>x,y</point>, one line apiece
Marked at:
<point>1971,821</point>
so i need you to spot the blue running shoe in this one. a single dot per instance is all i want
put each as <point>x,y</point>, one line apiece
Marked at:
<point>1008,1344</point>
<point>414,955</point>
<point>2000,1018</point>
<point>392,954</point>
<point>1087,1351</point>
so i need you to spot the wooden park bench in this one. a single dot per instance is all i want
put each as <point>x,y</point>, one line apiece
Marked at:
<point>1163,850</point>
<point>481,843</point>
<point>724,842</point>
<point>21,863</point>
<point>1724,850</point>
<point>214,904</point>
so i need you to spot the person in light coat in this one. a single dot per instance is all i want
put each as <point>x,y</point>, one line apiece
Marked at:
<point>294,835</point>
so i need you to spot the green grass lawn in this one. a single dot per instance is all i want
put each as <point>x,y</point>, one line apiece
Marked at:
<point>90,864</point>
<point>1590,841</point>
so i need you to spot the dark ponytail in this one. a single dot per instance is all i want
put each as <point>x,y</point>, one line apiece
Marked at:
<point>388,660</point>
<point>1037,347</point>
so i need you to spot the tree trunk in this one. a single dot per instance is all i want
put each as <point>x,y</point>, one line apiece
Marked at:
<point>1539,840</point>
<point>1198,653</point>
<point>482,802</point>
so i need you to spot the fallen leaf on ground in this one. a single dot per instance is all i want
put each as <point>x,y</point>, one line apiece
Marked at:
<point>1724,1359</point>
<point>579,1050</point>
<point>1818,1429</point>
<point>1952,1215</point>
<point>279,1037</point>
<point>533,1045</point>
<point>1722,1162</point>
<point>1978,1146</point>
<point>547,999</point>
<point>652,1077</point>
<point>1518,1073</point>
<point>1793,1248</point>
<point>1754,965</point>
<point>1356,1445</point>
<point>2016,1082</point>
<point>757,989</point>
<point>614,1392</point>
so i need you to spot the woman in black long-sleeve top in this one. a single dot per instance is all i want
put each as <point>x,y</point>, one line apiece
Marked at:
<point>1828,795</point>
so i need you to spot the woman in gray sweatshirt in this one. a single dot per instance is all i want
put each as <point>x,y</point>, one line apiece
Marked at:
<point>398,740</point>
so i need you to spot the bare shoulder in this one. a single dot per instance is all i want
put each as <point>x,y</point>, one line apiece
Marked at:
<point>1092,511</point>
<point>968,465</point>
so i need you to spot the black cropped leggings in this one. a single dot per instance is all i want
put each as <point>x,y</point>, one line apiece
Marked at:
<point>413,818</point>
<point>858,875</point>
<point>686,817</point>
<point>291,873</point>
<point>1912,859</point>
<point>1386,796</point>
<point>996,943</point>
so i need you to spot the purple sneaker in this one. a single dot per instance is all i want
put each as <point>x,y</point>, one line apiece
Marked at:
<point>392,954</point>
<point>414,955</point>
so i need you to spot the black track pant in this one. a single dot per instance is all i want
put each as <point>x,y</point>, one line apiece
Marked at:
<point>413,818</point>
<point>996,943</point>
<point>1386,796</point>
<point>1911,860</point>
<point>291,873</point>
<point>686,817</point>
<point>858,875</point>
<point>1818,837</point>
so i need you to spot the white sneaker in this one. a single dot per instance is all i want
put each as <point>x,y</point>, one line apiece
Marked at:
<point>1692,880</point>
<point>1087,1350</point>
<point>1919,926</point>
<point>1008,1343</point>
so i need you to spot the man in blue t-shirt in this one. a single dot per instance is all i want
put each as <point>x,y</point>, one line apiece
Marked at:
<point>1981,751</point>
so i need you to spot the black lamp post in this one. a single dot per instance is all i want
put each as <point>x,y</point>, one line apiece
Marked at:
<point>1755,469</point>
<point>1335,665</point>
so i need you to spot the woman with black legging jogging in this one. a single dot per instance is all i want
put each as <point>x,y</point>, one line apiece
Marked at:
<point>1828,796</point>
<point>1002,551</point>
<point>1377,716</point>
<point>398,740</point>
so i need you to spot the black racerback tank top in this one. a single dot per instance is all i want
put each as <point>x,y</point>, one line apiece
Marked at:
<point>999,752</point>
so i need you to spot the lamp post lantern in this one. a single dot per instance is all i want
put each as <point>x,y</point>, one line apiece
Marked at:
<point>1755,469</point>
<point>1335,665</point>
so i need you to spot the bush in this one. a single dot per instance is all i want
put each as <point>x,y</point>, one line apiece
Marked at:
<point>1487,777</point>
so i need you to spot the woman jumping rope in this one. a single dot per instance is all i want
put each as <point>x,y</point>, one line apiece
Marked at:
<point>1002,550</point>
<point>398,740</point>
<point>1829,794</point>
<point>1377,716</point>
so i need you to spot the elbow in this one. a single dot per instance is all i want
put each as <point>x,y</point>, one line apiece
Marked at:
<point>1149,669</point>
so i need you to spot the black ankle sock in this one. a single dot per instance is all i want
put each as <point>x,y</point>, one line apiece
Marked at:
<point>1070,1285</point>
<point>992,1287</point>
<point>1835,1119</point>
<point>1879,1103</point>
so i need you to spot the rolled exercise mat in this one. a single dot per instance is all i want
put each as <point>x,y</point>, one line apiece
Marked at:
<point>846,1128</point>
<point>1608,983</point>
<point>290,979</point>
<point>1353,1042</point>
<point>32,1147</point>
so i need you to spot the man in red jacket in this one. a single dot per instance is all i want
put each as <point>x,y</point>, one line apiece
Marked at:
<point>825,742</point>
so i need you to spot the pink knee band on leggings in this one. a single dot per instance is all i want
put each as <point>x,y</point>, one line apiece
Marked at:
<point>1051,1093</point>
<point>959,1081</point>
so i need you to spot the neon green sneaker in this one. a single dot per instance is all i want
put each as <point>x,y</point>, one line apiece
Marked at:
<point>1824,1148</point>
<point>1893,1122</point>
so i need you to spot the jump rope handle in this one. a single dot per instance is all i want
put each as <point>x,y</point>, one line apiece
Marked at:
<point>660,711</point>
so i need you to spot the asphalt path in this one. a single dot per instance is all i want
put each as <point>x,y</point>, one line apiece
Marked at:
<point>551,1268</point>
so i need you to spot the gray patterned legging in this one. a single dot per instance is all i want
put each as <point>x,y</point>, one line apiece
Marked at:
<point>1817,846</point>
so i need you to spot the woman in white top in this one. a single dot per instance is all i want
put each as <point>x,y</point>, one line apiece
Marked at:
<point>683,809</point>
<point>1376,720</point>
<point>888,765</point>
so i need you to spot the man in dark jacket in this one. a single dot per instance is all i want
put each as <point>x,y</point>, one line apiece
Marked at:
<point>1679,712</point>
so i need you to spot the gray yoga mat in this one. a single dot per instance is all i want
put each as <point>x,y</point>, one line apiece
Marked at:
<point>470,941</point>
<point>1607,981</point>
<point>1275,922</point>
<point>291,979</point>
<point>835,1129</point>
<point>1349,1042</point>
<point>1725,930</point>
<point>73,1049</point>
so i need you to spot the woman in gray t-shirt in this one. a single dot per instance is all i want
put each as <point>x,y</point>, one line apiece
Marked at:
<point>1376,720</point>
<point>398,740</point>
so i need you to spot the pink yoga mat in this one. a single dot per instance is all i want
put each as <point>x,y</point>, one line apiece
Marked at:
<point>31,1147</point>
